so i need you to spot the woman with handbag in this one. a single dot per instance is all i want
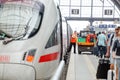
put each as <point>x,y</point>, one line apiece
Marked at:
<point>116,54</point>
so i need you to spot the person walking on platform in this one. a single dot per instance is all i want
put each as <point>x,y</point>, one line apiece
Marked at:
<point>102,43</point>
<point>116,54</point>
<point>111,41</point>
<point>73,40</point>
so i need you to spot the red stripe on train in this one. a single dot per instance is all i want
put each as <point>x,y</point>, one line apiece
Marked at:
<point>49,57</point>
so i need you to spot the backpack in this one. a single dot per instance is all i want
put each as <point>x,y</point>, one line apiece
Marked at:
<point>111,40</point>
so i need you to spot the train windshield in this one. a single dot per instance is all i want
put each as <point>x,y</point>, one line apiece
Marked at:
<point>19,17</point>
<point>85,33</point>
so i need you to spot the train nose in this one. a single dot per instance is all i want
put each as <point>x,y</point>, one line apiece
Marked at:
<point>16,72</point>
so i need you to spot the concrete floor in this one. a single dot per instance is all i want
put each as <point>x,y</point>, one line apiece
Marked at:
<point>82,67</point>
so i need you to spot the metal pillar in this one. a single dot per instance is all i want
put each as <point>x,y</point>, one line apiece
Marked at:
<point>91,22</point>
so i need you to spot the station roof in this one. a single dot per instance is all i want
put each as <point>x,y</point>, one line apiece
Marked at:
<point>91,10</point>
<point>117,3</point>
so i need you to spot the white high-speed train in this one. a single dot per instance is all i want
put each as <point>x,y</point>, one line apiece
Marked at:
<point>31,39</point>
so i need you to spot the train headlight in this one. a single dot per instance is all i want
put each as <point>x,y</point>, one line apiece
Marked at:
<point>30,55</point>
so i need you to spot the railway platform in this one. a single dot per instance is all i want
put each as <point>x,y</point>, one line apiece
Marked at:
<point>82,67</point>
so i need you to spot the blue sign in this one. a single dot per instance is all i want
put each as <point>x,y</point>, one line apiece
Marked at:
<point>103,26</point>
<point>107,26</point>
<point>111,26</point>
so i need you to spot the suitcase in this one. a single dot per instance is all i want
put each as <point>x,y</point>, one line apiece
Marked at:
<point>111,75</point>
<point>95,50</point>
<point>102,69</point>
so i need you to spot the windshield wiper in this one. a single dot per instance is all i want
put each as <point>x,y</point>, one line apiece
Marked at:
<point>8,40</point>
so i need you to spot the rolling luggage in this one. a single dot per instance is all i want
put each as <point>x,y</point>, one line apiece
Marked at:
<point>95,50</point>
<point>111,75</point>
<point>102,69</point>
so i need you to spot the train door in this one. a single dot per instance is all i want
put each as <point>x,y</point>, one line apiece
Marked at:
<point>60,34</point>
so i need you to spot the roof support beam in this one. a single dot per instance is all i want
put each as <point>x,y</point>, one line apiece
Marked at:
<point>91,19</point>
<point>117,3</point>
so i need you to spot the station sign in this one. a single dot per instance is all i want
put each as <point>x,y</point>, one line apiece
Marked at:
<point>75,11</point>
<point>108,12</point>
<point>107,26</point>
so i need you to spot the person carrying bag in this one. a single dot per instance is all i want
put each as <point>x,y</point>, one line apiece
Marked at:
<point>116,55</point>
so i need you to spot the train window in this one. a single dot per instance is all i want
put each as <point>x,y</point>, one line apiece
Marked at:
<point>20,19</point>
<point>53,40</point>
<point>37,26</point>
<point>85,33</point>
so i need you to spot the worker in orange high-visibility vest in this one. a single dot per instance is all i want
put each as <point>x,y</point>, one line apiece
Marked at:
<point>73,40</point>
